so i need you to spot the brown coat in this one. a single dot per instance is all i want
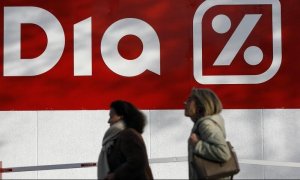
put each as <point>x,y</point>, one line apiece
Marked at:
<point>128,158</point>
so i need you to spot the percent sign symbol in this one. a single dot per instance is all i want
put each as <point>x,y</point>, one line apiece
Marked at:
<point>253,54</point>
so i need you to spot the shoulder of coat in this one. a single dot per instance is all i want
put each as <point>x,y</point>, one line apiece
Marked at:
<point>207,123</point>
<point>130,132</point>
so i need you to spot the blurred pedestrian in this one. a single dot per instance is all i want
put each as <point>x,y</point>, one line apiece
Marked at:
<point>127,158</point>
<point>116,126</point>
<point>208,136</point>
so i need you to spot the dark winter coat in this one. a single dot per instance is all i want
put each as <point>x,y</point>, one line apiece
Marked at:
<point>128,157</point>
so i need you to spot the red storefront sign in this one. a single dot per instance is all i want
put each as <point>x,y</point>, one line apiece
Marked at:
<point>84,54</point>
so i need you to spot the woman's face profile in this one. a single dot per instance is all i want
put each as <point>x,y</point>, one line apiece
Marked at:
<point>113,117</point>
<point>190,109</point>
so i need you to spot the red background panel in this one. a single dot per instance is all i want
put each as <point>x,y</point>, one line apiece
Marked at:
<point>59,89</point>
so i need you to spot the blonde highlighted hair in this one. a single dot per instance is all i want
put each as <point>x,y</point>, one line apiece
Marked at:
<point>207,102</point>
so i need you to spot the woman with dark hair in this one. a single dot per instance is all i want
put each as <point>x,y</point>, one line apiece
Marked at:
<point>109,139</point>
<point>127,158</point>
<point>208,136</point>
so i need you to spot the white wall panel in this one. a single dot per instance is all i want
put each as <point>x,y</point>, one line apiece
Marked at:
<point>70,137</point>
<point>174,170</point>
<point>273,172</point>
<point>81,173</point>
<point>170,130</point>
<point>248,171</point>
<point>244,131</point>
<point>18,141</point>
<point>29,138</point>
<point>282,135</point>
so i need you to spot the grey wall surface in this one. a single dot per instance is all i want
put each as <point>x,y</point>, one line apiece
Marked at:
<point>266,142</point>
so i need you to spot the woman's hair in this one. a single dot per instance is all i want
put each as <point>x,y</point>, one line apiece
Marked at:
<point>132,117</point>
<point>207,102</point>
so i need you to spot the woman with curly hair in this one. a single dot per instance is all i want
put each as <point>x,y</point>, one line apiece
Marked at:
<point>127,157</point>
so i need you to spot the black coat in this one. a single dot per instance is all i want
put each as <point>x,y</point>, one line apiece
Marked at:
<point>128,159</point>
